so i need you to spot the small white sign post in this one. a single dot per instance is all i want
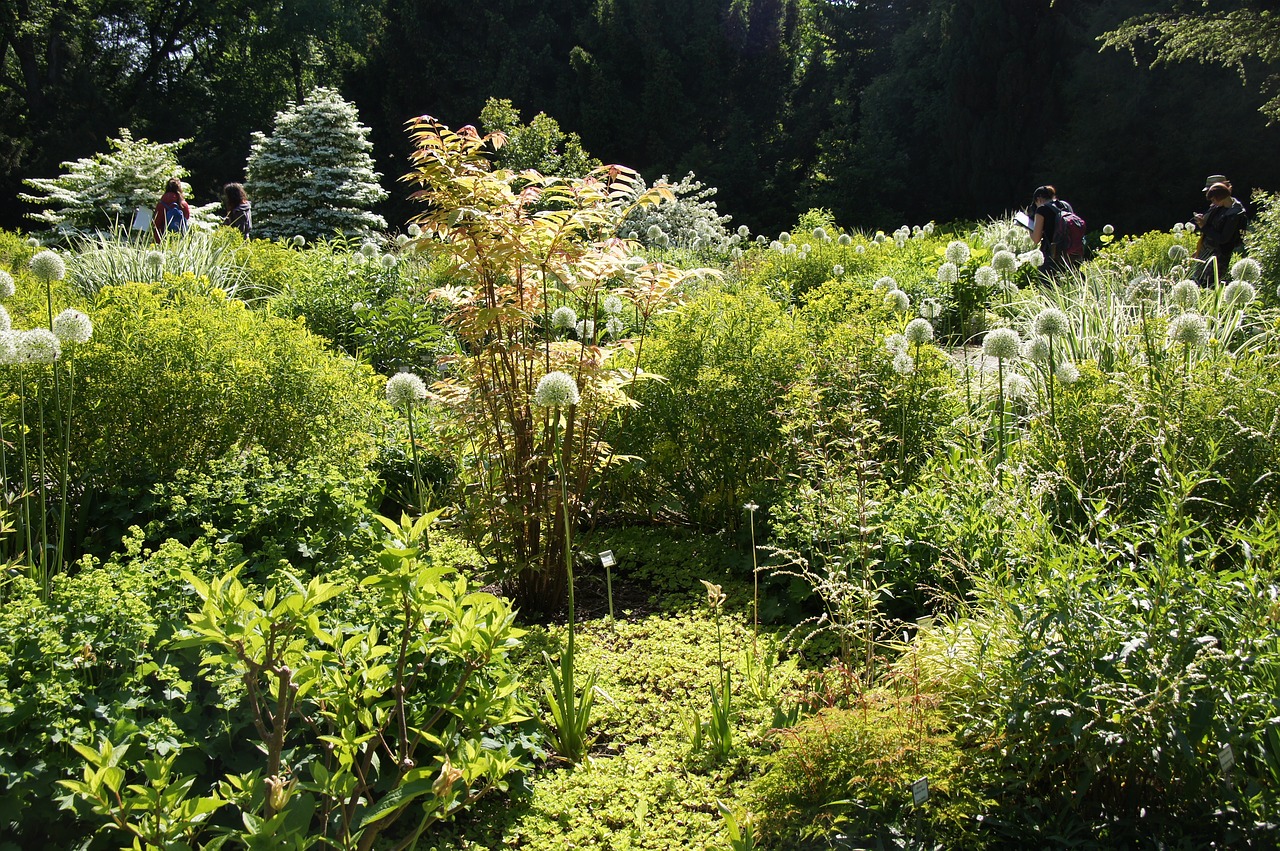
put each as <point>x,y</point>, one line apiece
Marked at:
<point>920,791</point>
<point>607,559</point>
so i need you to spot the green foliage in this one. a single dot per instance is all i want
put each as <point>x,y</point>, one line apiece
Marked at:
<point>87,664</point>
<point>309,512</point>
<point>708,433</point>
<point>669,560</point>
<point>314,174</point>
<point>848,772</point>
<point>101,192</point>
<point>206,260</point>
<point>174,379</point>
<point>539,145</point>
<point>1073,680</point>
<point>1264,239</point>
<point>1223,37</point>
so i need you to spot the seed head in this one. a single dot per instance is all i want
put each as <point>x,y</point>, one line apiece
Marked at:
<point>72,327</point>
<point>1002,343</point>
<point>1189,329</point>
<point>405,389</point>
<point>948,273</point>
<point>564,317</point>
<point>48,266</point>
<point>958,252</point>
<point>919,332</point>
<point>1050,322</point>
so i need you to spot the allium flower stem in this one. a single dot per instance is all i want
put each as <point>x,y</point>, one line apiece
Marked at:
<point>25,492</point>
<point>60,553</point>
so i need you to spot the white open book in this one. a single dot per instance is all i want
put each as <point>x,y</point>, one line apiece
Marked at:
<point>141,219</point>
<point>1023,219</point>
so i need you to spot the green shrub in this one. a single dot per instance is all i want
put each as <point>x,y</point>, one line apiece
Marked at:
<point>707,434</point>
<point>1263,240</point>
<point>670,560</point>
<point>1107,679</point>
<point>1148,252</point>
<point>848,772</point>
<point>306,512</point>
<point>89,663</point>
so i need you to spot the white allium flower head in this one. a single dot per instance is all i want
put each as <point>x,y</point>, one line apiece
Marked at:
<point>919,332</point>
<point>820,233</point>
<point>736,253</point>
<point>903,363</point>
<point>928,227</point>
<point>844,239</point>
<point>1177,227</point>
<point>7,286</point>
<point>696,245</point>
<point>1067,372</point>
<point>369,249</point>
<point>72,327</point>
<point>388,261</point>
<point>1004,262</point>
<point>1050,322</point>
<point>948,273</point>
<point>958,252</point>
<point>879,237</point>
<point>999,246</point>
<point>1247,269</point>
<point>744,231</point>
<point>1239,293</point>
<point>837,271</point>
<point>1002,343</point>
<point>39,345</point>
<point>884,285</point>
<point>652,232</point>
<point>612,304</point>
<point>1036,350</point>
<point>930,308</point>
<point>415,231</point>
<point>900,239</point>
<point>6,323</point>
<point>614,327</point>
<point>556,390</point>
<point>585,329</point>
<point>916,229</point>
<point>8,348</point>
<point>1018,388</point>
<point>48,266</point>
<point>896,343</point>
<point>1185,294</point>
<point>402,239</point>
<point>299,240</point>
<point>898,300</point>
<point>784,237</point>
<point>1143,288</point>
<point>1189,329</point>
<point>564,317</point>
<point>33,242</point>
<point>789,249</point>
<point>1035,257</point>
<point>807,247</point>
<point>1108,230</point>
<point>1178,253</point>
<point>986,277</point>
<point>405,389</point>
<point>154,259</point>
<point>778,247</point>
<point>859,249</point>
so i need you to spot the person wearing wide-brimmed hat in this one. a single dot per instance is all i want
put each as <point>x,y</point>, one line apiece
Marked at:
<point>1221,230</point>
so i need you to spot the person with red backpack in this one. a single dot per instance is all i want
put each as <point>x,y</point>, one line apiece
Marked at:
<point>172,213</point>
<point>1056,229</point>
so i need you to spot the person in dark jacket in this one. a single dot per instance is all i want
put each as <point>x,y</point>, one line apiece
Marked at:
<point>238,214</point>
<point>1221,233</point>
<point>171,203</point>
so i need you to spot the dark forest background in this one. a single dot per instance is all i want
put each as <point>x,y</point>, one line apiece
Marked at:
<point>884,112</point>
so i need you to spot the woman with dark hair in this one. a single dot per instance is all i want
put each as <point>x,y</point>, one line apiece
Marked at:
<point>238,215</point>
<point>172,213</point>
<point>1044,218</point>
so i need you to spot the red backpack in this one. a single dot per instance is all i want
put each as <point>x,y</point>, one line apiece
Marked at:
<point>1068,237</point>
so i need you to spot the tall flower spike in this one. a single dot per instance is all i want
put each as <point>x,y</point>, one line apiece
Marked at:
<point>39,345</point>
<point>958,252</point>
<point>919,332</point>
<point>72,327</point>
<point>1002,343</point>
<point>564,318</point>
<point>48,266</point>
<point>1189,329</point>
<point>405,389</point>
<point>1050,322</point>
<point>556,390</point>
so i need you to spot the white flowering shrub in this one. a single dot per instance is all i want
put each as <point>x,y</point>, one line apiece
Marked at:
<point>101,192</point>
<point>314,175</point>
<point>688,219</point>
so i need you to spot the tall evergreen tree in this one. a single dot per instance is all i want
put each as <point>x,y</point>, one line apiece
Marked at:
<point>314,175</point>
